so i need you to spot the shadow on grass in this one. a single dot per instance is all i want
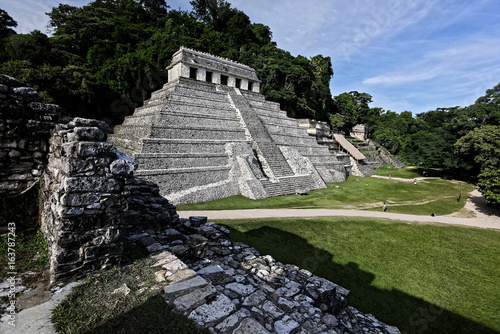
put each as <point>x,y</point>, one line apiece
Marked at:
<point>410,314</point>
<point>154,316</point>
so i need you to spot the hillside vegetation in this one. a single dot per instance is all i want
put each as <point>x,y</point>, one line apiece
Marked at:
<point>103,59</point>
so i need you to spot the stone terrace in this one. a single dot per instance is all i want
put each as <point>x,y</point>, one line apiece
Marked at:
<point>230,288</point>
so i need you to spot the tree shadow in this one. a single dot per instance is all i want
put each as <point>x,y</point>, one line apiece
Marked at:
<point>394,307</point>
<point>481,206</point>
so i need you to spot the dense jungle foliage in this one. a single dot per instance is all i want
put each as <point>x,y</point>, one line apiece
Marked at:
<point>103,59</point>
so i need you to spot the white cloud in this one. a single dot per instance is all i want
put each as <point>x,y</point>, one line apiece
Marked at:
<point>459,61</point>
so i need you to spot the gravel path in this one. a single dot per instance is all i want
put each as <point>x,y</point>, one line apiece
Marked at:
<point>485,217</point>
<point>488,222</point>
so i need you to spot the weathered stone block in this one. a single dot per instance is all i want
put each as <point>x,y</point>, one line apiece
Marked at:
<point>67,256</point>
<point>10,81</point>
<point>89,222</point>
<point>194,299</point>
<point>104,251</point>
<point>89,134</point>
<point>217,309</point>
<point>80,199</point>
<point>92,149</point>
<point>49,111</point>
<point>70,212</point>
<point>184,287</point>
<point>90,184</point>
<point>84,122</point>
<point>250,326</point>
<point>285,326</point>
<point>27,93</point>
<point>123,165</point>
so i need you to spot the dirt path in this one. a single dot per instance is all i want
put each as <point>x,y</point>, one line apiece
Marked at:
<point>484,216</point>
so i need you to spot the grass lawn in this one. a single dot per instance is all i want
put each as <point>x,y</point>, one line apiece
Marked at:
<point>421,278</point>
<point>412,172</point>
<point>432,195</point>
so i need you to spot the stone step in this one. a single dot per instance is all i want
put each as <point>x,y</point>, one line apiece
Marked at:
<point>172,160</point>
<point>158,145</point>
<point>208,121</point>
<point>125,145</point>
<point>275,116</point>
<point>291,139</point>
<point>197,133</point>
<point>207,102</point>
<point>178,179</point>
<point>150,107</point>
<point>164,92</point>
<point>265,105</point>
<point>187,91</point>
<point>252,96</point>
<point>288,185</point>
<point>295,131</point>
<point>132,132</point>
<point>196,85</point>
<point>280,121</point>
<point>198,109</point>
<point>141,120</point>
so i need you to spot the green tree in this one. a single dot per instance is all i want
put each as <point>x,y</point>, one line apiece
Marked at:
<point>492,96</point>
<point>489,185</point>
<point>336,121</point>
<point>156,8</point>
<point>34,47</point>
<point>352,106</point>
<point>215,13</point>
<point>322,75</point>
<point>6,22</point>
<point>481,146</point>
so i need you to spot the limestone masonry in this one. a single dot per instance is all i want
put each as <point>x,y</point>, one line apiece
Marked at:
<point>209,133</point>
<point>25,124</point>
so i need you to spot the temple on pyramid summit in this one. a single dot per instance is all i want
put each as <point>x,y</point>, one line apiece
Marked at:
<point>209,134</point>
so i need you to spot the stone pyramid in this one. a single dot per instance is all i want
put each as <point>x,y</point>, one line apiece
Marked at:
<point>209,134</point>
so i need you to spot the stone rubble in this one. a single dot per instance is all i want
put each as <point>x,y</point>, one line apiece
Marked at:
<point>229,287</point>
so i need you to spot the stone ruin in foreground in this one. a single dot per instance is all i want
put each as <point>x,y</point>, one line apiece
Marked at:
<point>92,201</point>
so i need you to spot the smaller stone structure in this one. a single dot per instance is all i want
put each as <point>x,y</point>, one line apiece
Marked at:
<point>359,132</point>
<point>83,197</point>
<point>25,124</point>
<point>91,200</point>
<point>360,155</point>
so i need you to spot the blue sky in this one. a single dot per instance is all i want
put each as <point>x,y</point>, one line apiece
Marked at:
<point>415,55</point>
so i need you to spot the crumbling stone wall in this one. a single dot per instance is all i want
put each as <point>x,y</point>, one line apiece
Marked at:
<point>91,200</point>
<point>83,196</point>
<point>25,124</point>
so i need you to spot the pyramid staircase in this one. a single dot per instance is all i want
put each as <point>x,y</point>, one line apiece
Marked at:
<point>288,135</point>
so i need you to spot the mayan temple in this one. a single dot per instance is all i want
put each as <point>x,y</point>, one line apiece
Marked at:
<point>209,134</point>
